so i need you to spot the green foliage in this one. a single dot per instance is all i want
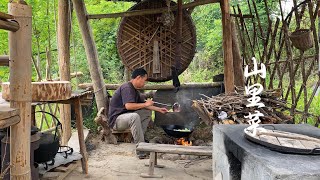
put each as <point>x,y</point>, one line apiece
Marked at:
<point>209,56</point>
<point>88,118</point>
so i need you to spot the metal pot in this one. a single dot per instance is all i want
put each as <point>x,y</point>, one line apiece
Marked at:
<point>49,144</point>
<point>173,130</point>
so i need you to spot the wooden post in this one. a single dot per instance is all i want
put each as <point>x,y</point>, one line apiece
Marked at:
<point>20,80</point>
<point>237,61</point>
<point>64,64</point>
<point>79,122</point>
<point>92,54</point>
<point>227,47</point>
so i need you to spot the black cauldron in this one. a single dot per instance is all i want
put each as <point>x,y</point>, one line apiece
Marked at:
<point>49,145</point>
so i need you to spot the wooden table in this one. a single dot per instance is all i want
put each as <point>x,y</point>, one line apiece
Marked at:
<point>75,99</point>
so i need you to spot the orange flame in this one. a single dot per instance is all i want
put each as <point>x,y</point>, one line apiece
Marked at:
<point>183,142</point>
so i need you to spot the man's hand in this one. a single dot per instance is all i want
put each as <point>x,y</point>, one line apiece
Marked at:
<point>163,110</point>
<point>148,103</point>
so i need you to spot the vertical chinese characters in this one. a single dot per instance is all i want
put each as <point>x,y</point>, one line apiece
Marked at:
<point>254,90</point>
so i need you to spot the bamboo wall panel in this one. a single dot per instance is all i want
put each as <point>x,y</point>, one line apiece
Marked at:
<point>137,34</point>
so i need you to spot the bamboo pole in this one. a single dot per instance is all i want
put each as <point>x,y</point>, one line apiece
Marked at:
<point>157,86</point>
<point>4,60</point>
<point>150,11</point>
<point>64,64</point>
<point>20,80</point>
<point>9,25</point>
<point>227,47</point>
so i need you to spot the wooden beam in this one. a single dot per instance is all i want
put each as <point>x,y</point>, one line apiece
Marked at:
<point>20,43</point>
<point>150,11</point>
<point>4,60</point>
<point>92,55</point>
<point>157,86</point>
<point>237,60</point>
<point>227,47</point>
<point>5,16</point>
<point>9,25</point>
<point>64,64</point>
<point>72,75</point>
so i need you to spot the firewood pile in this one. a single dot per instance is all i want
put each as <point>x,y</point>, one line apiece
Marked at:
<point>231,109</point>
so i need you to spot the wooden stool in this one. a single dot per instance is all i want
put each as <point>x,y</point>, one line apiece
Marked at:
<point>123,136</point>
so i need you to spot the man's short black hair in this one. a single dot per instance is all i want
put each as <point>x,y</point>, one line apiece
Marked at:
<point>138,72</point>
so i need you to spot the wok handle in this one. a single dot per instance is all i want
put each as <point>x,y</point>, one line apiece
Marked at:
<point>169,105</point>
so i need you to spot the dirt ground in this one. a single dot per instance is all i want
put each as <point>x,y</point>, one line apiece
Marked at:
<point>119,162</point>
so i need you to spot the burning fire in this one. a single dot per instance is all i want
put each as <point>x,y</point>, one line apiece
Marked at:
<point>183,142</point>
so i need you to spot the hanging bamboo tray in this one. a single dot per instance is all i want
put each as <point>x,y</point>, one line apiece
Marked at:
<point>285,142</point>
<point>302,39</point>
<point>149,41</point>
<point>43,91</point>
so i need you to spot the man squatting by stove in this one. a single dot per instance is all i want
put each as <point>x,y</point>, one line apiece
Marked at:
<point>127,109</point>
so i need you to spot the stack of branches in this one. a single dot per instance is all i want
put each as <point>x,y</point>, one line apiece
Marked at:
<point>233,108</point>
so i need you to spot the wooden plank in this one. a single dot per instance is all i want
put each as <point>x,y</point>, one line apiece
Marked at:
<point>285,142</point>
<point>51,176</point>
<point>270,139</point>
<point>175,149</point>
<point>7,112</point>
<point>288,135</point>
<point>156,58</point>
<point>71,167</point>
<point>296,143</point>
<point>309,144</point>
<point>61,172</point>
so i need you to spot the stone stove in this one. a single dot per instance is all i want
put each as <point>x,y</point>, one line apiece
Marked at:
<point>235,157</point>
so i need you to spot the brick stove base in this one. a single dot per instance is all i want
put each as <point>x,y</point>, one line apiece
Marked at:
<point>234,157</point>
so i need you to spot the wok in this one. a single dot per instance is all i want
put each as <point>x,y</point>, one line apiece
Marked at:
<point>171,130</point>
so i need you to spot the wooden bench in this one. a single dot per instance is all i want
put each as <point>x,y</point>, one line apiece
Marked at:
<point>170,149</point>
<point>123,136</point>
